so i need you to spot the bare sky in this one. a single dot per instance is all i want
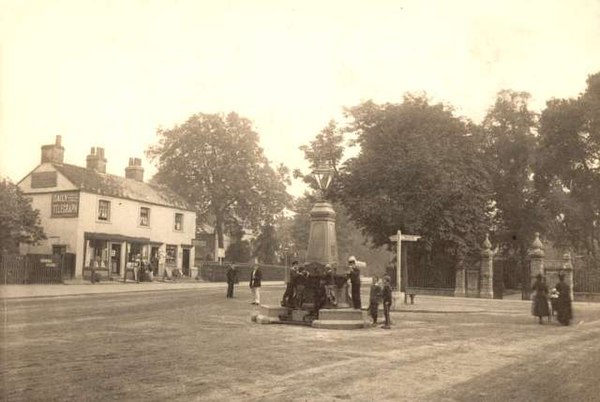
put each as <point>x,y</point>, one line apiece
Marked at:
<point>108,73</point>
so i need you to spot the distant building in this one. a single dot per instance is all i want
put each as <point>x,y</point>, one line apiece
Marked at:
<point>119,221</point>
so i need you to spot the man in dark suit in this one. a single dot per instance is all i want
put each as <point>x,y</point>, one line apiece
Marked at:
<point>255,283</point>
<point>288,296</point>
<point>232,279</point>
<point>387,301</point>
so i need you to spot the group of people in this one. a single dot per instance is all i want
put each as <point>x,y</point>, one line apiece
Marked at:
<point>255,282</point>
<point>324,291</point>
<point>295,295</point>
<point>380,291</point>
<point>560,300</point>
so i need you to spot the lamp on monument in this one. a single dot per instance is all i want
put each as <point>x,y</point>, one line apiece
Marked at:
<point>323,174</point>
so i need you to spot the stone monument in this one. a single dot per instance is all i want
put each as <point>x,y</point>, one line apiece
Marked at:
<point>325,299</point>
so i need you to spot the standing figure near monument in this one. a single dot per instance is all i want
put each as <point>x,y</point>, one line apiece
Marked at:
<point>255,283</point>
<point>387,301</point>
<point>374,298</point>
<point>288,296</point>
<point>300,286</point>
<point>330,285</point>
<point>564,312</point>
<point>540,306</point>
<point>232,279</point>
<point>354,276</point>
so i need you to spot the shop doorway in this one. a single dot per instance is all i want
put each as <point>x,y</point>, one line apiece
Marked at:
<point>185,264</point>
<point>154,260</point>
<point>115,259</point>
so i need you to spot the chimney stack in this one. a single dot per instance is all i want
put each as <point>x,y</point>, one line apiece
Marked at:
<point>135,170</point>
<point>95,160</point>
<point>53,153</point>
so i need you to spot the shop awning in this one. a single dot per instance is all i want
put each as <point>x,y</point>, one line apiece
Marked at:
<point>116,237</point>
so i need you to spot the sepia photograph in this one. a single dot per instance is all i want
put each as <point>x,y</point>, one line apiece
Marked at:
<point>263,200</point>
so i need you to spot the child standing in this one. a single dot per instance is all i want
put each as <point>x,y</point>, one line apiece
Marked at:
<point>387,300</point>
<point>374,298</point>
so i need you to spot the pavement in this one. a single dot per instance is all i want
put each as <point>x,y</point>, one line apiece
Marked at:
<point>77,288</point>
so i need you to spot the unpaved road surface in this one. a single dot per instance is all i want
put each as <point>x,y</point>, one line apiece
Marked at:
<point>196,345</point>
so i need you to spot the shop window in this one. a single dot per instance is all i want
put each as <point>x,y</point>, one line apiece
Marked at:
<point>99,252</point>
<point>135,252</point>
<point>178,222</point>
<point>104,210</point>
<point>144,216</point>
<point>171,254</point>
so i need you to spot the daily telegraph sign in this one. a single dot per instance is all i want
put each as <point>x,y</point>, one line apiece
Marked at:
<point>65,204</point>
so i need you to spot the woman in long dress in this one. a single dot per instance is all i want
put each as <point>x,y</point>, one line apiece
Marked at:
<point>564,312</point>
<point>540,306</point>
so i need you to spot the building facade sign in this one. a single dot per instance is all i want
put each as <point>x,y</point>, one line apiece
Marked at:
<point>43,179</point>
<point>65,204</point>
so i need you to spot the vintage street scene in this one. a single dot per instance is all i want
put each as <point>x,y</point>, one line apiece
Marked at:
<point>299,201</point>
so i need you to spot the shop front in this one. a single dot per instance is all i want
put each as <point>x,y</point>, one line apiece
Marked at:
<point>118,257</point>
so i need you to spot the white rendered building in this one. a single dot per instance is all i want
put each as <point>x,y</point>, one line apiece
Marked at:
<point>117,221</point>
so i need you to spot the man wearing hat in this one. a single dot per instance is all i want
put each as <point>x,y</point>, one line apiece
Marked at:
<point>288,296</point>
<point>354,277</point>
<point>255,283</point>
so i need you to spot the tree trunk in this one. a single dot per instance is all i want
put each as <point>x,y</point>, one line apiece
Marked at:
<point>219,229</point>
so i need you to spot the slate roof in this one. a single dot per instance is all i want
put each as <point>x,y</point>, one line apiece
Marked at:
<point>115,186</point>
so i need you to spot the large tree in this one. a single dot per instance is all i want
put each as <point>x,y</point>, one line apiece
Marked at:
<point>419,170</point>
<point>19,223</point>
<point>510,149</point>
<point>216,163</point>
<point>569,167</point>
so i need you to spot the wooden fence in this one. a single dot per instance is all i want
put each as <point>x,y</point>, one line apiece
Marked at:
<point>36,268</point>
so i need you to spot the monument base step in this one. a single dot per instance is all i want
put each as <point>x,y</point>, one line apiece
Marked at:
<point>328,318</point>
<point>339,324</point>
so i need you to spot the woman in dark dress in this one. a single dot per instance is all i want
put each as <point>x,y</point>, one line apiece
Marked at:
<point>564,312</point>
<point>540,298</point>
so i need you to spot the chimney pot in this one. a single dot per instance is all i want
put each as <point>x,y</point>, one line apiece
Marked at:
<point>96,160</point>
<point>53,153</point>
<point>135,170</point>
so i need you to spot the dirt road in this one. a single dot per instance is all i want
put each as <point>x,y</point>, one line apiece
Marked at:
<point>192,345</point>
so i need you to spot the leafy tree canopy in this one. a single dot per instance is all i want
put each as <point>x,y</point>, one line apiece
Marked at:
<point>419,170</point>
<point>510,149</point>
<point>19,223</point>
<point>327,149</point>
<point>215,162</point>
<point>568,167</point>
